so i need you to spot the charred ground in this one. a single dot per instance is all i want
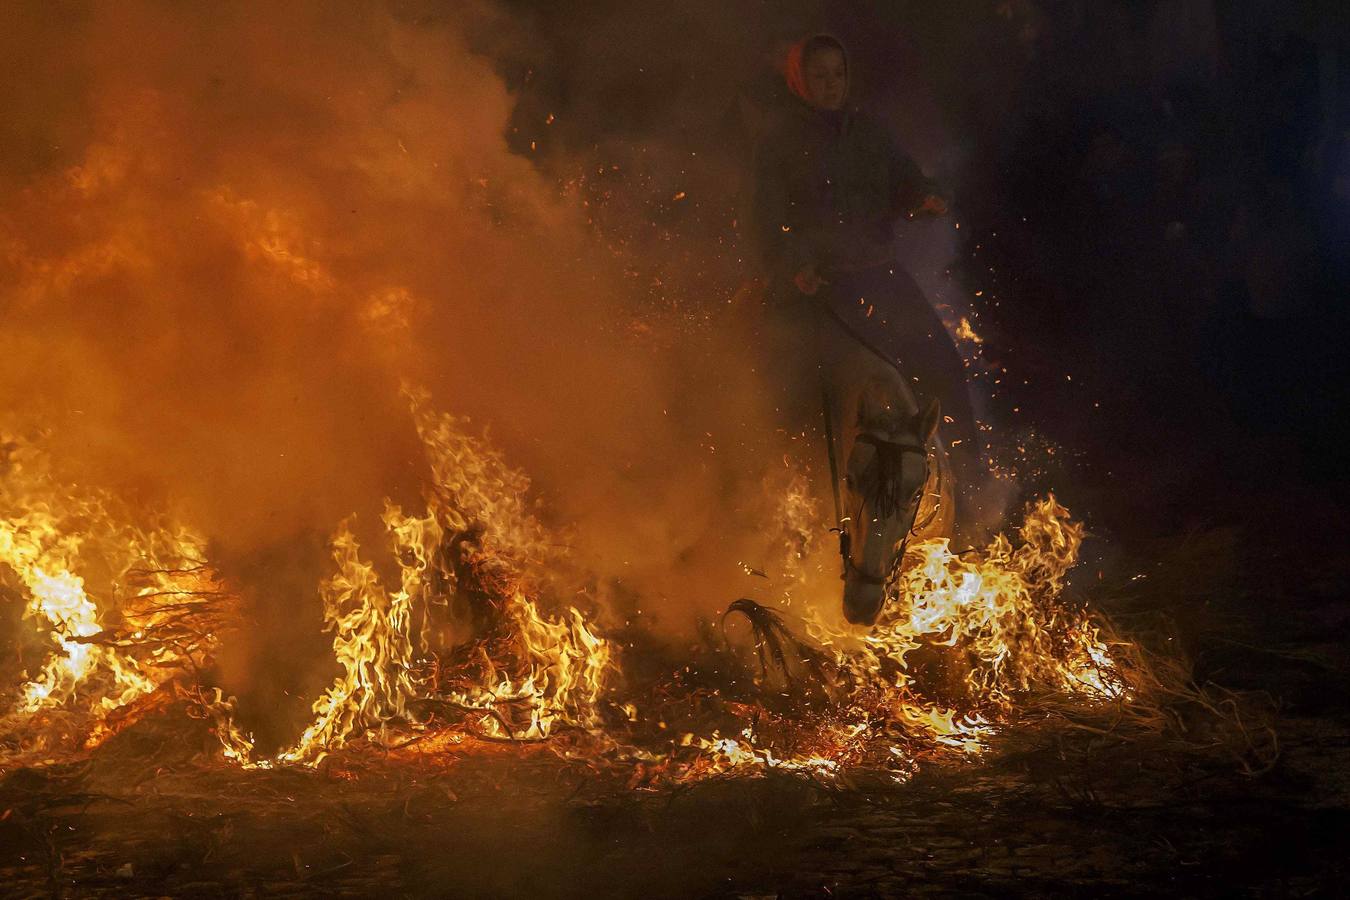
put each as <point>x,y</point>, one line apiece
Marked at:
<point>1053,808</point>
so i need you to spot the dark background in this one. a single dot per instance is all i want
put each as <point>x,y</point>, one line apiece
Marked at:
<point>1153,198</point>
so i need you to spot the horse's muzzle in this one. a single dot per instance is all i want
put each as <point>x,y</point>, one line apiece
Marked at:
<point>863,599</point>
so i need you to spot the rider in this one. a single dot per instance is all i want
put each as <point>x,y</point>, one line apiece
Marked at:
<point>830,185</point>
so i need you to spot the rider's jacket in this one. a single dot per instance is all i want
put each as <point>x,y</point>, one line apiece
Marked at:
<point>829,187</point>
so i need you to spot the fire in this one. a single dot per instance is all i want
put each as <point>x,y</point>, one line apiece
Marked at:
<point>557,667</point>
<point>157,611</point>
<point>966,332</point>
<point>566,664</point>
<point>1004,609</point>
<point>998,613</point>
<point>800,514</point>
<point>533,674</point>
<point>532,666</point>
<point>372,641</point>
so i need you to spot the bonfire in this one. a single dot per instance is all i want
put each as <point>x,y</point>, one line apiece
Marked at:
<point>129,616</point>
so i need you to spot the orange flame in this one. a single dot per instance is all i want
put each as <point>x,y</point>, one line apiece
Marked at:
<point>155,587</point>
<point>1000,612</point>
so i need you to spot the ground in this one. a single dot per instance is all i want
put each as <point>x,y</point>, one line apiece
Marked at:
<point>1048,811</point>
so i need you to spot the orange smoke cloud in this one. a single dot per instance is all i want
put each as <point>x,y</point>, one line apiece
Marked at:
<point>229,232</point>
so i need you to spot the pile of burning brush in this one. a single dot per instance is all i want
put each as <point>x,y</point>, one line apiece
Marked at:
<point>122,621</point>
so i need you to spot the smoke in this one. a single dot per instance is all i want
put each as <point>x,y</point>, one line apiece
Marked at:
<point>229,233</point>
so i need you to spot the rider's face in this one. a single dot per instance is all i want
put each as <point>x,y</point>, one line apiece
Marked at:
<point>827,78</point>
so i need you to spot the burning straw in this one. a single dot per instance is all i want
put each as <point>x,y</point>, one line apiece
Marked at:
<point>124,610</point>
<point>970,646</point>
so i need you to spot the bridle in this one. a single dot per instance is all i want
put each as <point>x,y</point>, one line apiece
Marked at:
<point>846,539</point>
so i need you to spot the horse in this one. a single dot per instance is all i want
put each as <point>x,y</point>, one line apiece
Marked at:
<point>891,479</point>
<point>894,480</point>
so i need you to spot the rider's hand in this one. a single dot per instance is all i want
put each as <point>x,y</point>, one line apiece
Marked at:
<point>932,205</point>
<point>808,280</point>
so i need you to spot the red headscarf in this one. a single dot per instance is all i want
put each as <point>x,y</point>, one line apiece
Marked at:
<point>794,67</point>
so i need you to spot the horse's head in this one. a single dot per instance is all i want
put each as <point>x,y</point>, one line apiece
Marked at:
<point>887,469</point>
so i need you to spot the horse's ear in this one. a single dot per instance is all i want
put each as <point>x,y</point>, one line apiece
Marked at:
<point>928,420</point>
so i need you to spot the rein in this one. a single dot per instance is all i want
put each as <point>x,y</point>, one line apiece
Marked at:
<point>845,539</point>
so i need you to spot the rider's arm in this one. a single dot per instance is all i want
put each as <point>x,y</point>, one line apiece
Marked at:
<point>911,190</point>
